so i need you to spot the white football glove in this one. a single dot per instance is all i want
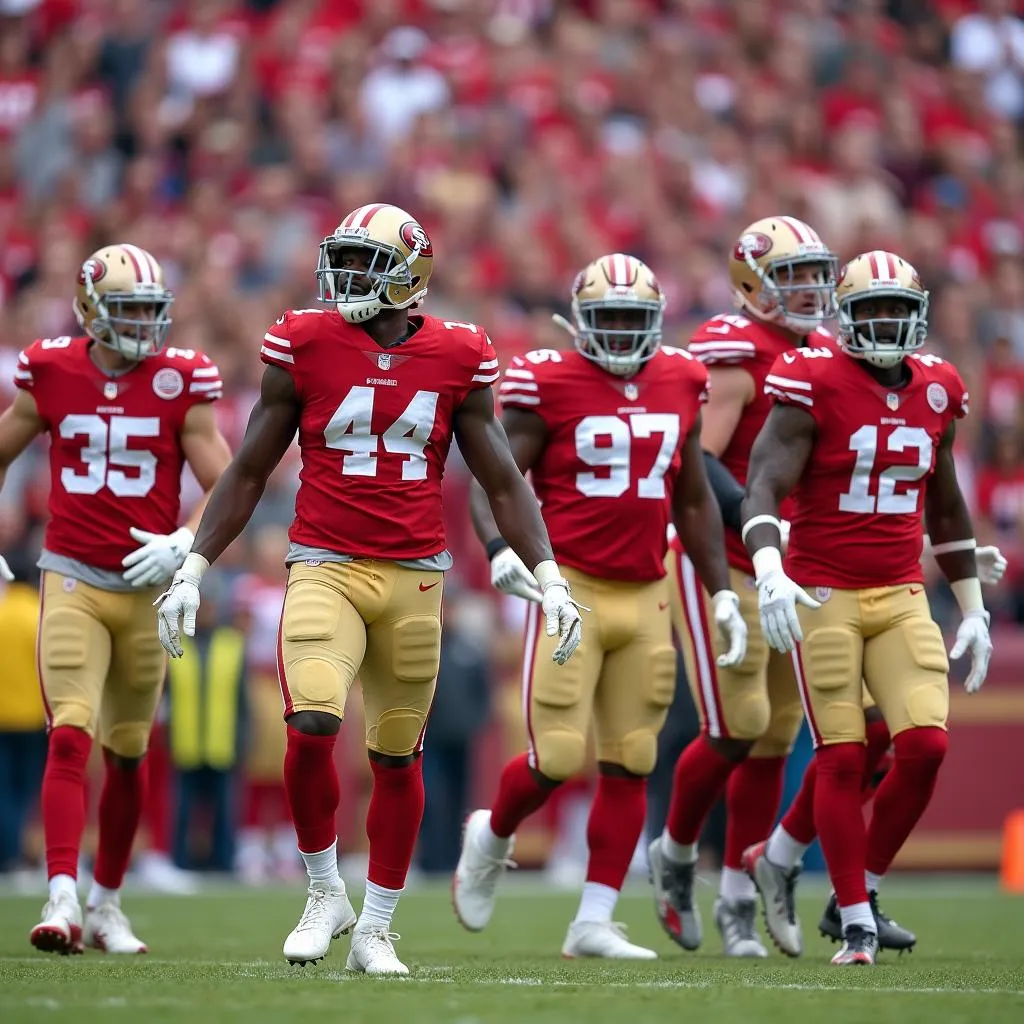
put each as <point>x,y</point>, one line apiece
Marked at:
<point>991,564</point>
<point>179,601</point>
<point>726,607</point>
<point>563,618</point>
<point>973,636</point>
<point>5,570</point>
<point>158,558</point>
<point>777,598</point>
<point>784,530</point>
<point>510,575</point>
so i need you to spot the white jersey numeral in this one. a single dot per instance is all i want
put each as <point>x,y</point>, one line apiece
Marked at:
<point>349,431</point>
<point>607,441</point>
<point>864,442</point>
<point>106,447</point>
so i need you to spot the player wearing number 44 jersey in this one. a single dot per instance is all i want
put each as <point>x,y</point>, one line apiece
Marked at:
<point>124,415</point>
<point>376,395</point>
<point>864,439</point>
<point>610,433</point>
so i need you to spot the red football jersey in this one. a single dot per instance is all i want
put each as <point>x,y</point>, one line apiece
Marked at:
<point>115,443</point>
<point>376,427</point>
<point>612,456</point>
<point>731,339</point>
<point>860,502</point>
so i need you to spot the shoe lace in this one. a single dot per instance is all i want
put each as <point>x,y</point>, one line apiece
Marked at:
<point>316,911</point>
<point>680,879</point>
<point>382,938</point>
<point>487,869</point>
<point>786,901</point>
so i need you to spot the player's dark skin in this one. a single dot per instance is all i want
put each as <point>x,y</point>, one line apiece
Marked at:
<point>694,508</point>
<point>272,426</point>
<point>783,449</point>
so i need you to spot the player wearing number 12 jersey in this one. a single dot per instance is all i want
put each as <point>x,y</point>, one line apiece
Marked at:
<point>610,434</point>
<point>376,395</point>
<point>124,415</point>
<point>863,438</point>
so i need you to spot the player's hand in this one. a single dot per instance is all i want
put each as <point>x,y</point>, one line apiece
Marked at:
<point>158,558</point>
<point>510,575</point>
<point>5,570</point>
<point>991,564</point>
<point>726,607</point>
<point>179,601</point>
<point>973,636</point>
<point>777,598</point>
<point>563,615</point>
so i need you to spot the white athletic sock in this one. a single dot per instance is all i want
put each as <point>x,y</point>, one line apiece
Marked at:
<point>322,867</point>
<point>736,885</point>
<point>493,846</point>
<point>378,906</point>
<point>872,880</point>
<point>783,850</point>
<point>63,883</point>
<point>597,902</point>
<point>101,894</point>
<point>681,853</point>
<point>859,913</point>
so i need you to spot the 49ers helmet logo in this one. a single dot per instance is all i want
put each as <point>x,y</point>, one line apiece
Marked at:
<point>416,238</point>
<point>94,269</point>
<point>753,244</point>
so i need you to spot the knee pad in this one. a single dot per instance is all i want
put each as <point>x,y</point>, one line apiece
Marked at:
<point>928,703</point>
<point>783,726</point>
<point>416,649</point>
<point>397,732</point>
<point>128,739</point>
<point>312,680</point>
<point>639,751</point>
<point>69,747</point>
<point>560,753</point>
<point>748,714</point>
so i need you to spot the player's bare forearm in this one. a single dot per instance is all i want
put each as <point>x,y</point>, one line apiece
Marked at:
<point>947,517</point>
<point>777,461</point>
<point>20,424</point>
<point>206,452</point>
<point>697,517</point>
<point>502,504</point>
<point>272,425</point>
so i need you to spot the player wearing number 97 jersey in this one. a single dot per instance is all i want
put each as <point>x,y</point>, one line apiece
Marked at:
<point>610,435</point>
<point>863,438</point>
<point>124,415</point>
<point>376,395</point>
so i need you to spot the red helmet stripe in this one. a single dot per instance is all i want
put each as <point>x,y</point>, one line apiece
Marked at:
<point>140,274</point>
<point>876,269</point>
<point>890,263</point>
<point>369,212</point>
<point>799,229</point>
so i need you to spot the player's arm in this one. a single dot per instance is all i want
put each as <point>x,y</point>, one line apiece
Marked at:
<point>777,461</point>
<point>20,424</point>
<point>527,436</point>
<point>515,513</point>
<point>272,425</point>
<point>731,390</point>
<point>953,545</point>
<point>207,454</point>
<point>698,521</point>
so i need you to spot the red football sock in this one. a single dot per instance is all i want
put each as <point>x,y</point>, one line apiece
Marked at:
<point>903,796</point>
<point>613,828</point>
<point>837,813</point>
<point>63,798</point>
<point>752,799</point>
<point>311,785</point>
<point>393,821</point>
<point>700,774</point>
<point>519,795</point>
<point>879,742</point>
<point>119,814</point>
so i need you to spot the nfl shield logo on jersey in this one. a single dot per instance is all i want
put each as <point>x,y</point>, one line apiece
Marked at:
<point>110,391</point>
<point>632,392</point>
<point>384,361</point>
<point>893,401</point>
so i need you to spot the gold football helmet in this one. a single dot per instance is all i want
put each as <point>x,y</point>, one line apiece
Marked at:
<point>617,309</point>
<point>769,268</point>
<point>378,258</point>
<point>882,308</point>
<point>121,301</point>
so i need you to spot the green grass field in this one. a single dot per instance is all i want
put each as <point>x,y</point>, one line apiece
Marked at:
<point>216,957</point>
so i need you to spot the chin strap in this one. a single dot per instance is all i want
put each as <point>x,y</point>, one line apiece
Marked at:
<point>562,322</point>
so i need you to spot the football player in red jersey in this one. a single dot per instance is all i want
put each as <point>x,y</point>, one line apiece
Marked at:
<point>610,433</point>
<point>784,278</point>
<point>124,415</point>
<point>376,395</point>
<point>864,438</point>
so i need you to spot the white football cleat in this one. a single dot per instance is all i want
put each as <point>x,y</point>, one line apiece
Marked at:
<point>777,887</point>
<point>157,872</point>
<point>60,930</point>
<point>372,952</point>
<point>328,914</point>
<point>109,930</point>
<point>602,939</point>
<point>735,920</point>
<point>475,884</point>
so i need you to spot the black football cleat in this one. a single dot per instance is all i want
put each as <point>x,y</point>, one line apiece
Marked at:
<point>890,934</point>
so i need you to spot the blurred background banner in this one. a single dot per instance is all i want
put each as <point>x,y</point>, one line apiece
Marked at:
<point>529,136</point>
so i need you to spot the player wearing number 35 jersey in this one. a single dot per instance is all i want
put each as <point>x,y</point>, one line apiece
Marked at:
<point>376,395</point>
<point>610,434</point>
<point>124,415</point>
<point>863,438</point>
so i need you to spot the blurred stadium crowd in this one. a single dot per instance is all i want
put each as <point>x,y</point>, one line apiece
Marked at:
<point>228,137</point>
